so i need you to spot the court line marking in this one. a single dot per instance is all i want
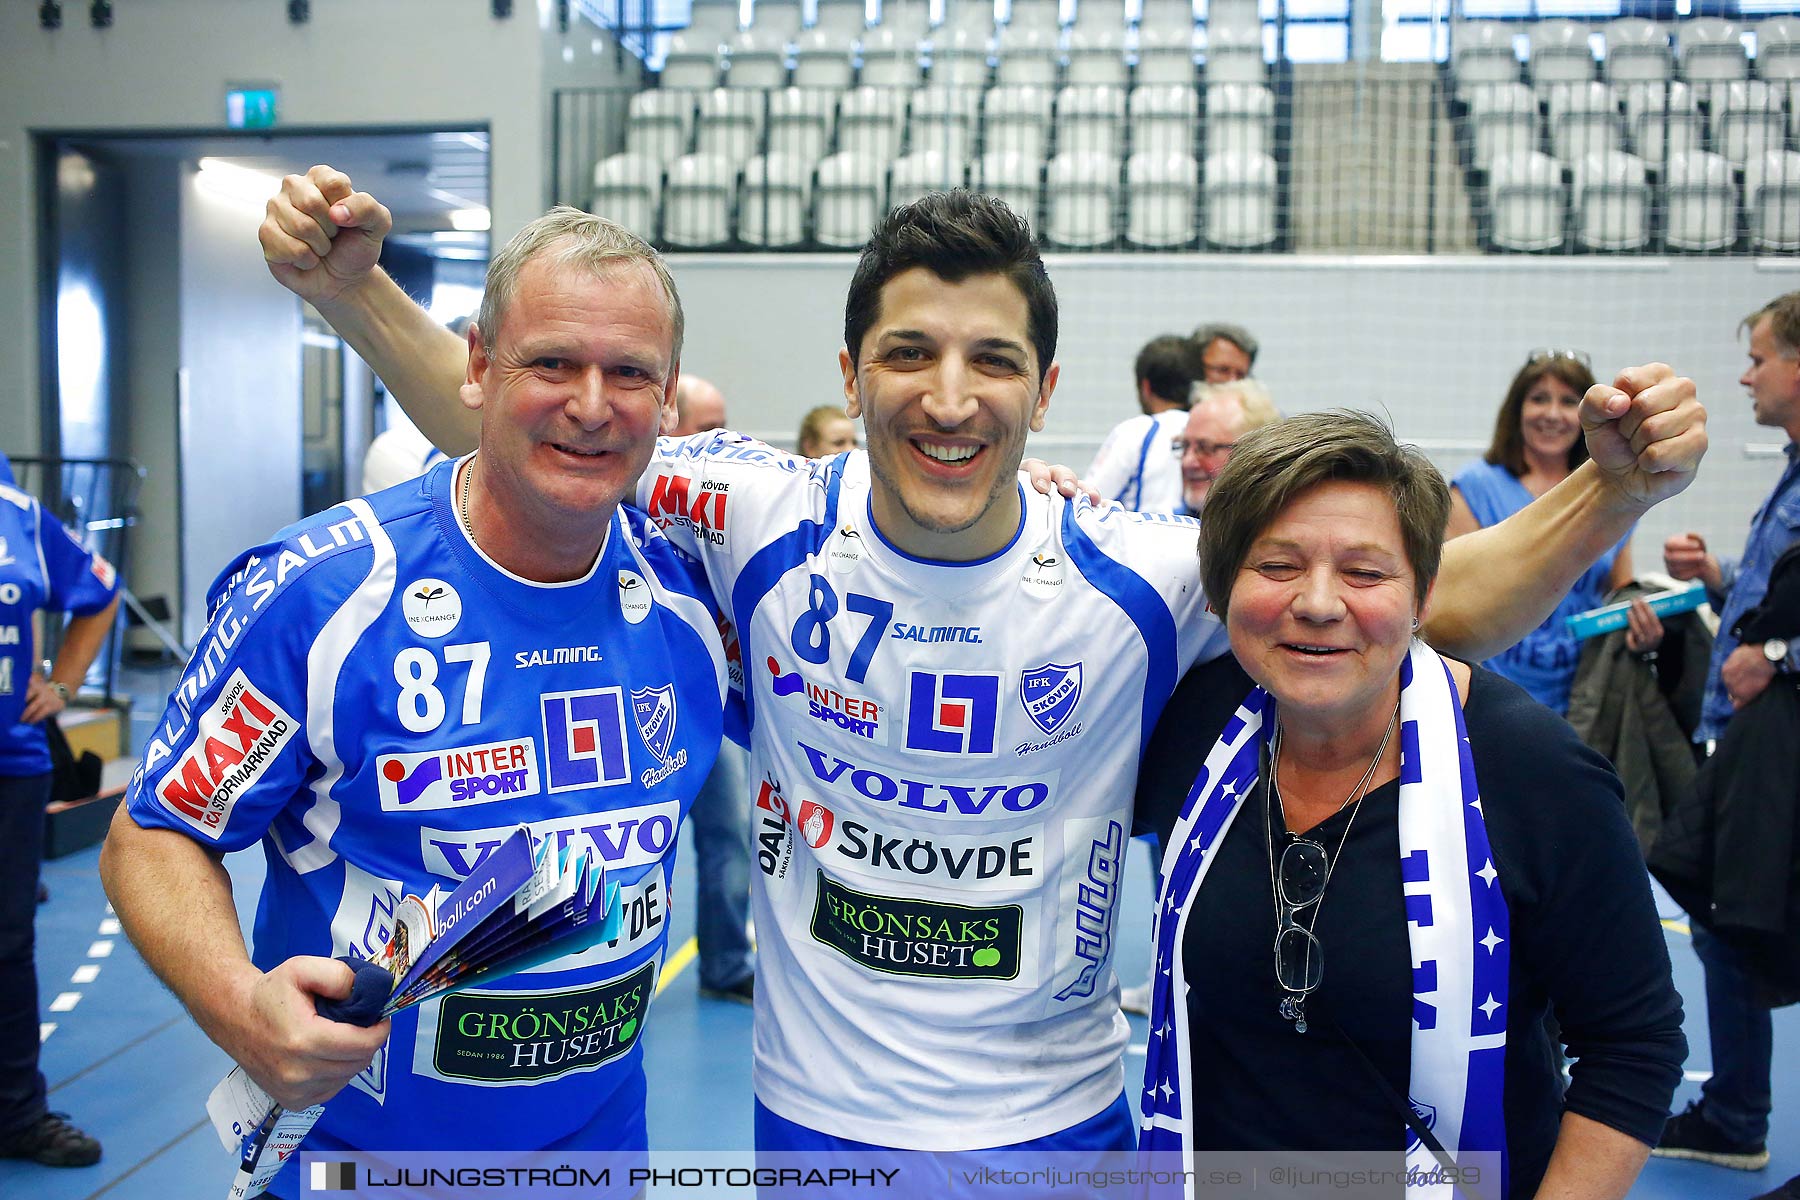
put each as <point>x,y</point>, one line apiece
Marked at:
<point>678,962</point>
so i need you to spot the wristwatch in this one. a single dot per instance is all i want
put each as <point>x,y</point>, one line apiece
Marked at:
<point>61,689</point>
<point>1776,651</point>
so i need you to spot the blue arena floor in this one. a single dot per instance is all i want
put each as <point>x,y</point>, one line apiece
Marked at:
<point>128,1064</point>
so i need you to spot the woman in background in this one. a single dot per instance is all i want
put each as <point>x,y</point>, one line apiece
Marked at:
<point>825,431</point>
<point>1537,442</point>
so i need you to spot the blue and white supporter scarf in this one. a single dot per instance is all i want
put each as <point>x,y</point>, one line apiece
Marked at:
<point>1456,925</point>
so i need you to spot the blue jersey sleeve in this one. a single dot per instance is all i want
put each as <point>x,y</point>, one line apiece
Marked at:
<point>231,750</point>
<point>77,580</point>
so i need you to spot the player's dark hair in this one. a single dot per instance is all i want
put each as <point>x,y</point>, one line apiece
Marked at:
<point>1170,366</point>
<point>954,235</point>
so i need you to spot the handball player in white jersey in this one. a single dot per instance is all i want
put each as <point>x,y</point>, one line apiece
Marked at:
<point>950,675</point>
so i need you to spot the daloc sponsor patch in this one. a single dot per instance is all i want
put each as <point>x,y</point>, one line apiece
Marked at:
<point>497,1038</point>
<point>918,937</point>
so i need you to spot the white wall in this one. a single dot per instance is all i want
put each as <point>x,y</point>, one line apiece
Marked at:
<point>167,65</point>
<point>1432,341</point>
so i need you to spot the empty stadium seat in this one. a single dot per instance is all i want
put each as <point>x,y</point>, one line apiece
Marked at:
<point>974,17</point>
<point>1481,52</point>
<point>1042,16</point>
<point>1240,117</point>
<point>1663,119</point>
<point>758,59</point>
<point>1160,195</point>
<point>1747,120</point>
<point>1164,118</point>
<point>773,200</point>
<point>841,18</point>
<point>1529,201</point>
<point>1175,16</point>
<point>1028,55</point>
<point>1166,56</point>
<point>1560,54</point>
<point>871,120</point>
<point>1017,119</point>
<point>1081,200</point>
<point>711,22</point>
<point>800,123</point>
<point>909,20</point>
<point>1234,52</point>
<point>1701,202</point>
<point>1612,202</point>
<point>697,201</point>
<point>1099,15</point>
<point>1240,200</point>
<point>847,200</point>
<point>825,58</point>
<point>1585,119</point>
<point>628,189</point>
<point>692,62</point>
<point>1772,200</point>
<point>1090,118</point>
<point>891,59</point>
<point>1711,51</point>
<point>777,18</point>
<point>1504,117</point>
<point>1637,51</point>
<point>1097,56</point>
<point>1014,178</point>
<point>1778,50</point>
<point>730,125</point>
<point>928,171</point>
<point>959,58</point>
<point>660,124</point>
<point>943,119</point>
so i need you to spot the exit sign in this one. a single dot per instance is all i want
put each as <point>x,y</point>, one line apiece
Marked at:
<point>250,108</point>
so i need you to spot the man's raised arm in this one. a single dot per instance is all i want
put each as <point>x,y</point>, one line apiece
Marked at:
<point>1646,434</point>
<point>321,239</point>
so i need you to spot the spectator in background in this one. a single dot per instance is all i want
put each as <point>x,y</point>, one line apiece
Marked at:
<point>720,817</point>
<point>1134,465</point>
<point>1227,352</point>
<point>1729,1125</point>
<point>1222,413</point>
<point>825,431</point>
<point>1537,442</point>
<point>400,452</point>
<point>42,566</point>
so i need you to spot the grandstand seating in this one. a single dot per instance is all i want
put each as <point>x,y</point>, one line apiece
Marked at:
<point>697,201</point>
<point>1637,51</point>
<point>1585,119</point>
<point>628,188</point>
<point>921,172</point>
<point>773,203</point>
<point>1097,57</point>
<point>847,200</point>
<point>1612,202</point>
<point>1700,202</point>
<point>757,58</point>
<point>1560,54</point>
<point>1081,199</point>
<point>730,125</point>
<point>1164,119</point>
<point>660,124</point>
<point>1165,56</point>
<point>1529,201</point>
<point>1663,120</point>
<point>1017,119</point>
<point>1161,194</point>
<point>1240,200</point>
<point>891,59</point>
<point>1482,53</point>
<point>871,121</point>
<point>944,119</point>
<point>959,58</point>
<point>841,18</point>
<point>1028,55</point>
<point>1772,200</point>
<point>692,61</point>
<point>826,58</point>
<point>800,124</point>
<point>1240,117</point>
<point>1747,120</point>
<point>1090,119</point>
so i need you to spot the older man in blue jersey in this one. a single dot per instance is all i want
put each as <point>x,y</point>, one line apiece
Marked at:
<point>386,690</point>
<point>950,675</point>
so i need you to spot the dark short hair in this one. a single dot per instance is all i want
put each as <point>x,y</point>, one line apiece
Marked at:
<point>1508,447</point>
<point>1274,464</point>
<point>1784,322</point>
<point>954,235</point>
<point>1237,335</point>
<point>1168,364</point>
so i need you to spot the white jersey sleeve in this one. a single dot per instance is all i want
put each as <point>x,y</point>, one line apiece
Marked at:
<point>1137,465</point>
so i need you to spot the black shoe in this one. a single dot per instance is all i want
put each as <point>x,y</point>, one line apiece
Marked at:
<point>1787,1191</point>
<point>1688,1134</point>
<point>53,1142</point>
<point>741,992</point>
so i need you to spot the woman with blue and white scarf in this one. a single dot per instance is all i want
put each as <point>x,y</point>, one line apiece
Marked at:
<point>1383,868</point>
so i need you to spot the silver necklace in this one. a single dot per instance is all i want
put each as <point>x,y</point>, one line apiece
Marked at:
<point>462,508</point>
<point>1293,1004</point>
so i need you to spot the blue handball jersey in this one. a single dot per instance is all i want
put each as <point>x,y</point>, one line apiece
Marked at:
<point>945,756</point>
<point>41,566</point>
<point>380,705</point>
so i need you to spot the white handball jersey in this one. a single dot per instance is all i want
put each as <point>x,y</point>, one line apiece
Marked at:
<point>944,758</point>
<point>1137,465</point>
